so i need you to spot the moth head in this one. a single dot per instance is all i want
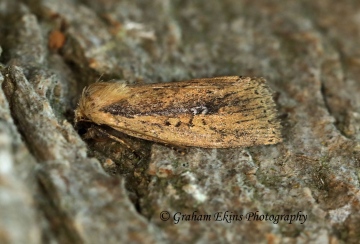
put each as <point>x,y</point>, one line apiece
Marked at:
<point>81,110</point>
<point>79,115</point>
<point>82,122</point>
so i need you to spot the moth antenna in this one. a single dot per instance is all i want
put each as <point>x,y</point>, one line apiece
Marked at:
<point>98,80</point>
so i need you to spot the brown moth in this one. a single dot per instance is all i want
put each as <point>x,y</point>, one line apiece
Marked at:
<point>220,112</point>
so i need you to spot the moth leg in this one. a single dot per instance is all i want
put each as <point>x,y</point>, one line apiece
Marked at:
<point>114,138</point>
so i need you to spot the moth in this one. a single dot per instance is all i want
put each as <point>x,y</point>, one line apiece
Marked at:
<point>220,112</point>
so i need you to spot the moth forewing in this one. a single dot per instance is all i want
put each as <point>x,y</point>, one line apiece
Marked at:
<point>221,112</point>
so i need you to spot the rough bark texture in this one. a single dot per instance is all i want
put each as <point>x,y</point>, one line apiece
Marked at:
<point>55,188</point>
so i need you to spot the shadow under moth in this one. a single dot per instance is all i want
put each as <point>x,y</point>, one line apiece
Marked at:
<point>220,112</point>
